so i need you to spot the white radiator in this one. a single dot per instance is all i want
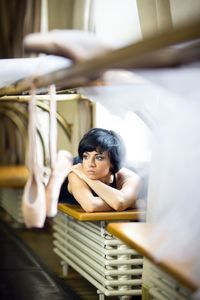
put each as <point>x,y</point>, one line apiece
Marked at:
<point>162,286</point>
<point>107,263</point>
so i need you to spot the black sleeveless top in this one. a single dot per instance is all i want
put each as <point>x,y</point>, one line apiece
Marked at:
<point>66,197</point>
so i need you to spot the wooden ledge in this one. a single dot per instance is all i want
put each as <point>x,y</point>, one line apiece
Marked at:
<point>13,176</point>
<point>136,236</point>
<point>79,214</point>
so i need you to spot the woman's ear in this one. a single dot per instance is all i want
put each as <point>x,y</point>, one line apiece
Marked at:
<point>111,168</point>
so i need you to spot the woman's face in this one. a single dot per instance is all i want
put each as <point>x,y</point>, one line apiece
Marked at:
<point>97,165</point>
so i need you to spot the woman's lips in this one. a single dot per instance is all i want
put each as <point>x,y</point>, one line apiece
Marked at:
<point>90,172</point>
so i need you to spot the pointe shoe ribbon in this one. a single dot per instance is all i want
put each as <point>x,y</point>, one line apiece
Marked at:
<point>60,171</point>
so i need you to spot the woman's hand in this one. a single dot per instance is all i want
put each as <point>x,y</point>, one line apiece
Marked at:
<point>78,170</point>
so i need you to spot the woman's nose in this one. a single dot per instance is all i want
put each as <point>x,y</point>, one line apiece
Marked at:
<point>92,162</point>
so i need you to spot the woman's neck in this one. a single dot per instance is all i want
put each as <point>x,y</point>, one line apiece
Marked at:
<point>108,179</point>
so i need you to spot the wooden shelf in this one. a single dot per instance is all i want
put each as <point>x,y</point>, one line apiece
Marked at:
<point>13,176</point>
<point>136,236</point>
<point>79,214</point>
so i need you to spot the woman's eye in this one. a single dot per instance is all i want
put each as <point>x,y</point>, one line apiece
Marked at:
<point>99,157</point>
<point>85,156</point>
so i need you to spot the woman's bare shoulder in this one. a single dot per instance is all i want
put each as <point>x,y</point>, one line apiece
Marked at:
<point>126,173</point>
<point>127,176</point>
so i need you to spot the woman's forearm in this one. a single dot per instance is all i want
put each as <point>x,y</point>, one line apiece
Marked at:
<point>82,193</point>
<point>97,204</point>
<point>110,195</point>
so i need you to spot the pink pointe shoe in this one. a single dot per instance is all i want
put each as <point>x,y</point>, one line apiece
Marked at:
<point>60,171</point>
<point>33,201</point>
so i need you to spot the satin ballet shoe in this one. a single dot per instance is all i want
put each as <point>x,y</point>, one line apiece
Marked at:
<point>33,201</point>
<point>33,198</point>
<point>60,171</point>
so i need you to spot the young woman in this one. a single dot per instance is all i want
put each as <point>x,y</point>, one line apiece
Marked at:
<point>98,182</point>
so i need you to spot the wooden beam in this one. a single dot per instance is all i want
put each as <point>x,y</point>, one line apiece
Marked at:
<point>137,55</point>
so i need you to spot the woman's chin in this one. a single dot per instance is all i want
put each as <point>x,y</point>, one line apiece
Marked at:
<point>92,176</point>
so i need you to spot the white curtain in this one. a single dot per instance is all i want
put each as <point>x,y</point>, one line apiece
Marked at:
<point>160,15</point>
<point>70,14</point>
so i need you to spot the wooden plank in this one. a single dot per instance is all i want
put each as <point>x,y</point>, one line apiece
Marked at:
<point>79,214</point>
<point>13,176</point>
<point>136,235</point>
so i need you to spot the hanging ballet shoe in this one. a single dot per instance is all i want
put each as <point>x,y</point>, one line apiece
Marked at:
<point>52,125</point>
<point>33,201</point>
<point>60,162</point>
<point>59,172</point>
<point>33,198</point>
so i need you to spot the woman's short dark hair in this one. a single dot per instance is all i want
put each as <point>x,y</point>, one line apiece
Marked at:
<point>100,140</point>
